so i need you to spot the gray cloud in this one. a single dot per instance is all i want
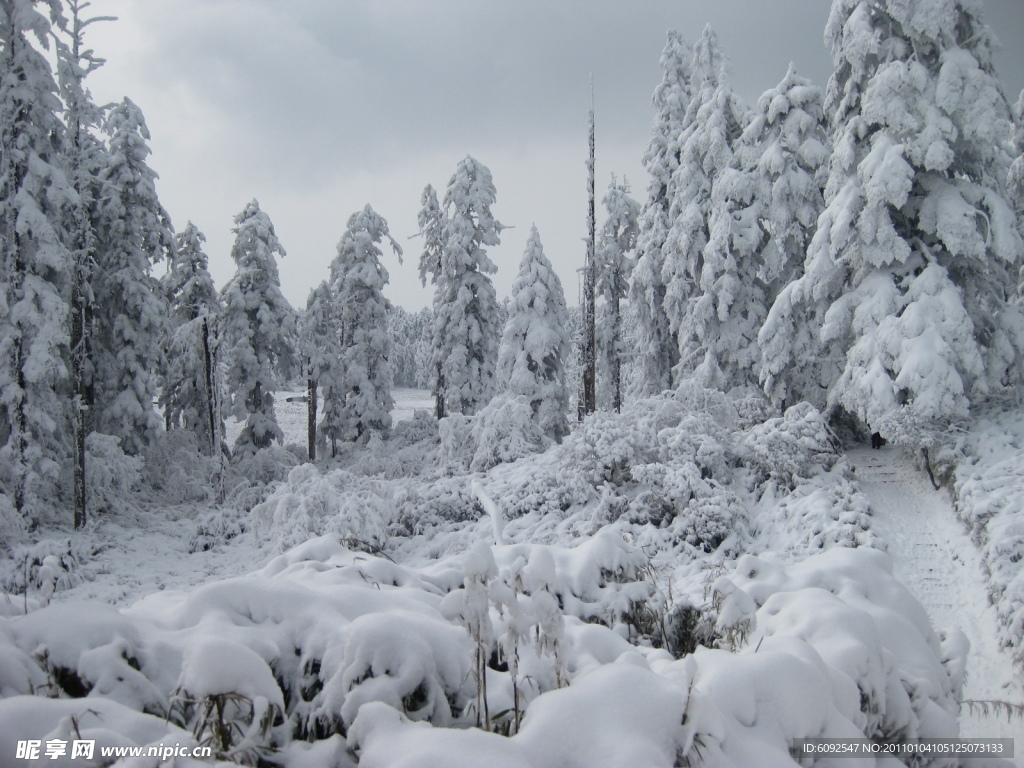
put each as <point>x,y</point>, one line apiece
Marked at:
<point>319,106</point>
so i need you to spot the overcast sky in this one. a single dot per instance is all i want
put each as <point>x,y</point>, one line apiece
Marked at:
<point>318,107</point>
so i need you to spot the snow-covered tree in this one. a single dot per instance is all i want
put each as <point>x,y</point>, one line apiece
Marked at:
<point>914,261</point>
<point>359,280</point>
<point>535,343</point>
<point>466,310</point>
<point>130,311</point>
<point>85,157</point>
<point>656,348</point>
<point>431,222</point>
<point>191,396</point>
<point>318,346</point>
<point>617,240</point>
<point>698,289</point>
<point>784,154</point>
<point>35,200</point>
<point>259,329</point>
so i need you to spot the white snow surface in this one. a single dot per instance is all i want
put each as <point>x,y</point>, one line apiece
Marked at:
<point>933,556</point>
<point>818,632</point>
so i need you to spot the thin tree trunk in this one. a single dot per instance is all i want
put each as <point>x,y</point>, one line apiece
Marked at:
<point>311,388</point>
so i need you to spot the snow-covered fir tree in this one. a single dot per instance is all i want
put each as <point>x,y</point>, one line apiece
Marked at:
<point>467,330</point>
<point>359,280</point>
<point>85,158</point>
<point>130,311</point>
<point>36,199</point>
<point>535,342</point>
<point>259,330</point>
<point>784,153</point>
<point>616,242</point>
<point>915,257</point>
<point>319,349</point>
<point>431,221</point>
<point>700,290</point>
<point>657,351</point>
<point>191,395</point>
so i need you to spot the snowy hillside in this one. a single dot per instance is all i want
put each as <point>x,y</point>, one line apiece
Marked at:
<point>503,531</point>
<point>557,600</point>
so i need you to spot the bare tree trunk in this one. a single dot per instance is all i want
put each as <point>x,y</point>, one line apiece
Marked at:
<point>311,387</point>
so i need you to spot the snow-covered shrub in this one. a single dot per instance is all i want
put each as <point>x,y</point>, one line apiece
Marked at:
<point>51,565</point>
<point>606,445</point>
<point>420,428</point>
<point>457,447</point>
<point>176,468</point>
<point>790,448</point>
<point>544,488</point>
<point>824,511</point>
<point>110,473</point>
<point>503,431</point>
<point>252,473</point>
<point>12,525</point>
<point>217,528</point>
<point>227,696</point>
<point>309,504</point>
<point>989,496</point>
<point>422,506</point>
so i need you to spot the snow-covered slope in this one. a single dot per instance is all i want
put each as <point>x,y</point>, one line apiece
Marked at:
<point>934,557</point>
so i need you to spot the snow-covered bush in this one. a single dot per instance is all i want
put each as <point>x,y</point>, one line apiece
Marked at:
<point>791,448</point>
<point>110,474</point>
<point>606,445</point>
<point>227,696</point>
<point>457,447</point>
<point>825,511</point>
<point>309,504</point>
<point>253,473</point>
<point>176,468</point>
<point>47,566</point>
<point>503,431</point>
<point>989,495</point>
<point>422,427</point>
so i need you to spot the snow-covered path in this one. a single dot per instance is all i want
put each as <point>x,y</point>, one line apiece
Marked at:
<point>933,556</point>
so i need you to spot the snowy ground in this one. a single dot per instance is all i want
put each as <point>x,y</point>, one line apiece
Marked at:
<point>934,557</point>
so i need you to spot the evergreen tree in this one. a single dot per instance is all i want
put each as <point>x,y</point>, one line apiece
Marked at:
<point>466,309</point>
<point>191,396</point>
<point>618,239</point>
<point>35,201</point>
<point>359,285</point>
<point>130,309</point>
<point>85,157</point>
<point>535,343</point>
<point>431,221</point>
<point>318,341</point>
<point>915,256</point>
<point>656,347</point>
<point>784,156</point>
<point>259,330</point>
<point>699,290</point>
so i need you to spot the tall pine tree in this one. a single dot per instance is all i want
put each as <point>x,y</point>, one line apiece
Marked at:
<point>364,351</point>
<point>467,329</point>
<point>535,342</point>
<point>130,311</point>
<point>35,201</point>
<point>259,330</point>
<point>657,350</point>
<point>617,240</point>
<point>191,396</point>
<point>915,257</point>
<point>700,290</point>
<point>85,158</point>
